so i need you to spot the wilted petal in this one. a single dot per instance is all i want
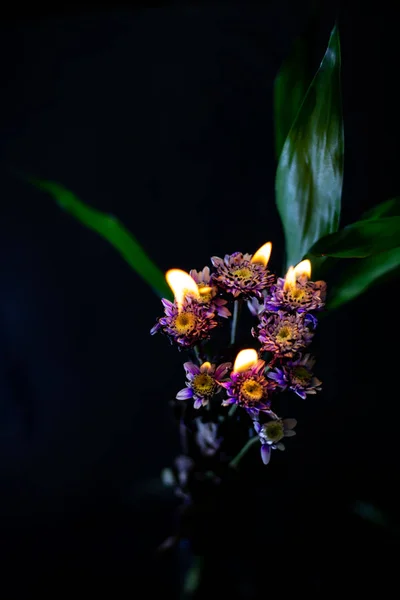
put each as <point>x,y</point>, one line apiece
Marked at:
<point>184,394</point>
<point>265,453</point>
<point>289,433</point>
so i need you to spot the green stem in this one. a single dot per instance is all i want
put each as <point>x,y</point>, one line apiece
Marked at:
<point>236,306</point>
<point>235,461</point>
<point>232,410</point>
<point>197,354</point>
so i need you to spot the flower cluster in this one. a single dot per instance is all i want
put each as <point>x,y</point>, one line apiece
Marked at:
<point>285,313</point>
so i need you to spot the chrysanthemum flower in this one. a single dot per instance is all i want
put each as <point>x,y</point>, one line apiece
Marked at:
<point>283,334</point>
<point>271,434</point>
<point>186,326</point>
<point>202,382</point>
<point>297,376</point>
<point>302,296</point>
<point>249,388</point>
<point>237,275</point>
<point>208,292</point>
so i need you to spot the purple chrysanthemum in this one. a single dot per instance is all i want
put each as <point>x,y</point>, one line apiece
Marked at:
<point>271,434</point>
<point>249,389</point>
<point>188,326</point>
<point>208,292</point>
<point>202,382</point>
<point>284,334</point>
<point>297,376</point>
<point>237,275</point>
<point>301,297</point>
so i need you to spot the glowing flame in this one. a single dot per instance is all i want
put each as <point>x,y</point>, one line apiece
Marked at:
<point>244,360</point>
<point>303,269</point>
<point>205,290</point>
<point>290,279</point>
<point>205,366</point>
<point>181,285</point>
<point>262,255</point>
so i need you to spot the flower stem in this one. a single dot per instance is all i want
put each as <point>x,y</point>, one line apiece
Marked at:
<point>235,461</point>
<point>197,354</point>
<point>236,306</point>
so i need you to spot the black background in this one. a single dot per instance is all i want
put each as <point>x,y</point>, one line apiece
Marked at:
<point>162,116</point>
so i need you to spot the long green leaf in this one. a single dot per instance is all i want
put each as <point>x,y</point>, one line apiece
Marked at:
<point>114,232</point>
<point>390,208</point>
<point>310,171</point>
<point>360,239</point>
<point>357,277</point>
<point>290,88</point>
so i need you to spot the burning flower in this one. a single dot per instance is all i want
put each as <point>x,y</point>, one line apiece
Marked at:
<point>202,382</point>
<point>247,386</point>
<point>297,376</point>
<point>243,275</point>
<point>271,434</point>
<point>284,334</point>
<point>295,292</point>
<point>186,326</point>
<point>208,292</point>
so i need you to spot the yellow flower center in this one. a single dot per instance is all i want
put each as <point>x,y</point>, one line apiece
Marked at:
<point>252,390</point>
<point>274,431</point>
<point>297,293</point>
<point>203,384</point>
<point>185,322</point>
<point>300,375</point>
<point>284,333</point>
<point>243,273</point>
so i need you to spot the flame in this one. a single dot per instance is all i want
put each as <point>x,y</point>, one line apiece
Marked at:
<point>206,366</point>
<point>205,290</point>
<point>290,279</point>
<point>244,360</point>
<point>303,269</point>
<point>181,285</point>
<point>262,255</point>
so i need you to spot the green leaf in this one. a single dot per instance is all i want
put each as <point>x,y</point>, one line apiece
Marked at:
<point>360,239</point>
<point>290,88</point>
<point>390,208</point>
<point>356,277</point>
<point>114,232</point>
<point>310,171</point>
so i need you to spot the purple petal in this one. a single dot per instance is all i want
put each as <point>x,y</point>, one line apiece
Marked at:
<point>191,368</point>
<point>184,394</point>
<point>265,453</point>
<point>217,261</point>
<point>257,426</point>
<point>228,401</point>
<point>198,403</point>
<point>154,329</point>
<point>206,274</point>
<point>223,312</point>
<point>222,369</point>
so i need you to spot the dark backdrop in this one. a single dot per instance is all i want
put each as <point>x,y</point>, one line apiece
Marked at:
<point>163,117</point>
